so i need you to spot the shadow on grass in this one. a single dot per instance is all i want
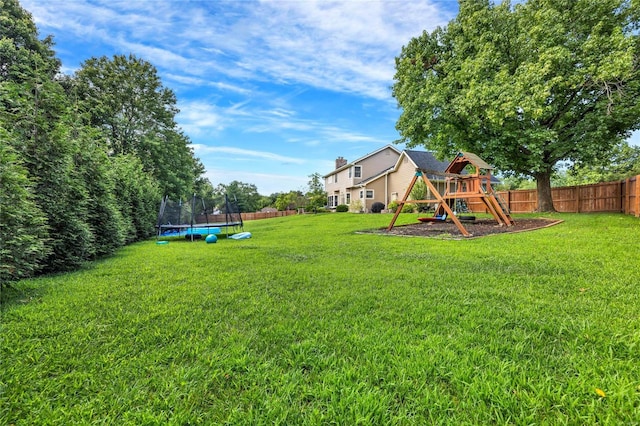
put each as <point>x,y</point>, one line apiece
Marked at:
<point>11,295</point>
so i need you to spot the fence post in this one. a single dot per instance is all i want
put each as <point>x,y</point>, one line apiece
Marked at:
<point>627,205</point>
<point>637,208</point>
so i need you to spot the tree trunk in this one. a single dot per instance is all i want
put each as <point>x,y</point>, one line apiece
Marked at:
<point>545,202</point>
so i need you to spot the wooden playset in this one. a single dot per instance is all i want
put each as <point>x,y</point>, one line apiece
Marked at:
<point>472,185</point>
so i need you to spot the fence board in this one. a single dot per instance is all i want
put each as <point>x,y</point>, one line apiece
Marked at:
<point>267,215</point>
<point>222,218</point>
<point>636,193</point>
<point>632,196</point>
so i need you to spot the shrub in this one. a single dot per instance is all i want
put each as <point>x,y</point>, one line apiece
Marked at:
<point>377,207</point>
<point>393,206</point>
<point>408,208</point>
<point>310,208</point>
<point>23,230</point>
<point>356,206</point>
<point>342,208</point>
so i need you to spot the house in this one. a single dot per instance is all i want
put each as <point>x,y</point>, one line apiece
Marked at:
<point>351,183</point>
<point>381,176</point>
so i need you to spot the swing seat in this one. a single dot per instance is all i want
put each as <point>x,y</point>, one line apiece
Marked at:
<point>427,219</point>
<point>436,218</point>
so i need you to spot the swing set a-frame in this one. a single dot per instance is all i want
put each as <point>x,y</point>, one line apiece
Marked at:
<point>471,186</point>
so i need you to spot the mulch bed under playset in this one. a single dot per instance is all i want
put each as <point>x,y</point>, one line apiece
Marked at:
<point>478,228</point>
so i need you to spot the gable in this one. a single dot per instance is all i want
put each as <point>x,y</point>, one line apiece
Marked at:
<point>375,162</point>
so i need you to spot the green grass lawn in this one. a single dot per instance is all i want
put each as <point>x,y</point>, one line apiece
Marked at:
<point>309,322</point>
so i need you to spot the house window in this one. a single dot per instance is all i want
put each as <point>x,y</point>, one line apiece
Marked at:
<point>348,198</point>
<point>361,194</point>
<point>332,200</point>
<point>357,171</point>
<point>369,193</point>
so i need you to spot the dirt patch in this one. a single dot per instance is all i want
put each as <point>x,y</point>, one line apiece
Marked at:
<point>477,228</point>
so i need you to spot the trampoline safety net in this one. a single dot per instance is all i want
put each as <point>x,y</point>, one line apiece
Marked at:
<point>178,218</point>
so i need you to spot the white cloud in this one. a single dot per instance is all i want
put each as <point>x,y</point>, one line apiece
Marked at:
<point>245,154</point>
<point>198,117</point>
<point>191,82</point>
<point>159,57</point>
<point>346,46</point>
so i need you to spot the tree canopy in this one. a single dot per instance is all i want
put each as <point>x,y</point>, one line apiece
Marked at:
<point>524,86</point>
<point>124,97</point>
<point>316,195</point>
<point>625,163</point>
<point>244,195</point>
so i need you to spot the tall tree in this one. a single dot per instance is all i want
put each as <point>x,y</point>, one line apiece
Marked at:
<point>34,115</point>
<point>316,194</point>
<point>92,166</point>
<point>31,106</point>
<point>126,98</point>
<point>22,53</point>
<point>137,193</point>
<point>23,231</point>
<point>244,194</point>
<point>526,86</point>
<point>290,201</point>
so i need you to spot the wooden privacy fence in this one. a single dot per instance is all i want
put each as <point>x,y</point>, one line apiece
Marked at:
<point>221,218</point>
<point>619,196</point>
<point>267,215</point>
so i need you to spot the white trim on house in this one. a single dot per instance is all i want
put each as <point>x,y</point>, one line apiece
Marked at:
<point>368,194</point>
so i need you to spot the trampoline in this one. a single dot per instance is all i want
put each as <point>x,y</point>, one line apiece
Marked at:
<point>194,220</point>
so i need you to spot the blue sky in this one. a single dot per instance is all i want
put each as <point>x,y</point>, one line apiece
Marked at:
<point>269,91</point>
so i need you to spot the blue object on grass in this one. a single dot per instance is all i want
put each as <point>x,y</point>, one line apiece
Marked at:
<point>202,231</point>
<point>162,242</point>
<point>211,239</point>
<point>241,236</point>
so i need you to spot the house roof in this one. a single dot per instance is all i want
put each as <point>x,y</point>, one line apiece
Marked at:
<point>423,160</point>
<point>426,162</point>
<point>346,166</point>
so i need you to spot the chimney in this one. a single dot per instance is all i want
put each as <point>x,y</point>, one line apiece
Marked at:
<point>340,161</point>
